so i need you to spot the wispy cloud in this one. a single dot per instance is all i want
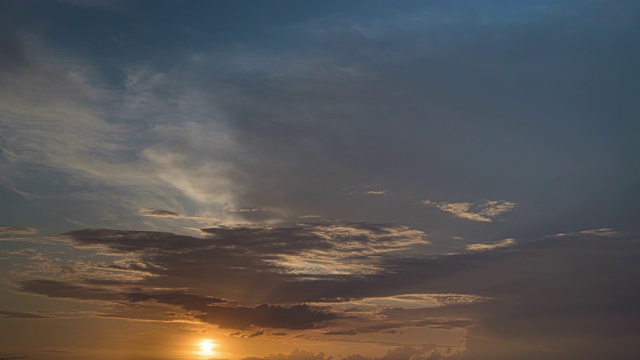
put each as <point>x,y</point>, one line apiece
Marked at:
<point>61,116</point>
<point>484,212</point>
<point>377,192</point>
<point>159,213</point>
<point>19,315</point>
<point>367,190</point>
<point>602,232</point>
<point>166,214</point>
<point>409,301</point>
<point>17,230</point>
<point>353,250</point>
<point>496,245</point>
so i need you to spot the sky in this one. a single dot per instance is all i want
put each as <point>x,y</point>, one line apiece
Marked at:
<point>320,180</point>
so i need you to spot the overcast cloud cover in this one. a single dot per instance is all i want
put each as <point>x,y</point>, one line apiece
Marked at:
<point>367,179</point>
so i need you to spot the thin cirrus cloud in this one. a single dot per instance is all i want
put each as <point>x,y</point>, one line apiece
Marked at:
<point>16,233</point>
<point>19,315</point>
<point>166,214</point>
<point>483,212</point>
<point>94,143</point>
<point>496,245</point>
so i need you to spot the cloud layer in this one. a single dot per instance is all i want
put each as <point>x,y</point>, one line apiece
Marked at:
<point>519,297</point>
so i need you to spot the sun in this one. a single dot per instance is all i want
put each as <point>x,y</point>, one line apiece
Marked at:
<point>206,346</point>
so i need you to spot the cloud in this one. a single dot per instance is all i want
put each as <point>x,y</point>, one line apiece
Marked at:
<point>257,333</point>
<point>60,289</point>
<point>406,301</point>
<point>203,308</point>
<point>296,317</point>
<point>85,152</point>
<point>367,190</point>
<point>264,215</point>
<point>17,230</point>
<point>20,315</point>
<point>315,249</point>
<point>497,245</point>
<point>547,290</point>
<point>131,241</point>
<point>404,352</point>
<point>30,254</point>
<point>294,355</point>
<point>524,299</point>
<point>482,212</point>
<point>604,232</point>
<point>185,300</point>
<point>235,216</point>
<point>341,332</point>
<point>377,192</point>
<point>208,309</point>
<point>326,248</point>
<point>184,220</point>
<point>95,152</point>
<point>426,352</point>
<point>274,255</point>
<point>158,213</point>
<point>55,351</point>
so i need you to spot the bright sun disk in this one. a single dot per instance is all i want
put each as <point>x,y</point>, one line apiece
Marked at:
<point>207,346</point>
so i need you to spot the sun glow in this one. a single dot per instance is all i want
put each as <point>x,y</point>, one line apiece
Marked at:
<point>206,346</point>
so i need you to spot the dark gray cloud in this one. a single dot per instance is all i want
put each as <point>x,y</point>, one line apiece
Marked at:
<point>556,294</point>
<point>204,308</point>
<point>187,301</point>
<point>341,332</point>
<point>272,256</point>
<point>295,317</point>
<point>158,213</point>
<point>61,289</point>
<point>129,241</point>
<point>240,317</point>
<point>257,333</point>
